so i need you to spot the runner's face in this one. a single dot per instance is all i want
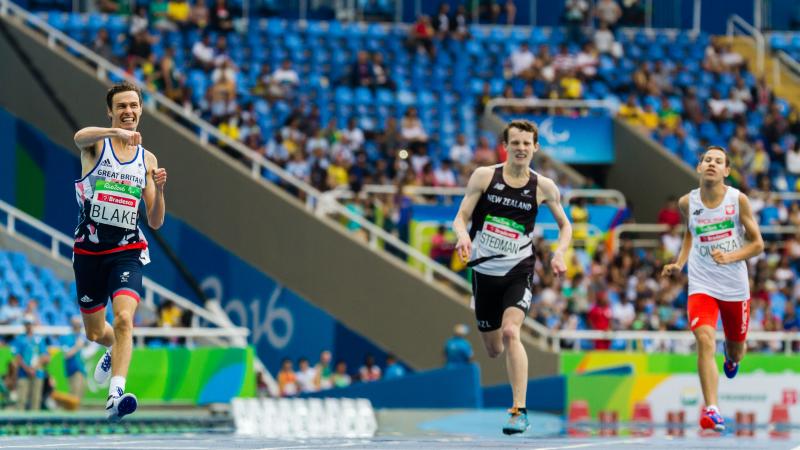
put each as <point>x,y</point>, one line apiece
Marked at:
<point>125,111</point>
<point>520,147</point>
<point>712,167</point>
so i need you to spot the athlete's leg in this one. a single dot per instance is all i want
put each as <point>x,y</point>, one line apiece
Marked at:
<point>516,358</point>
<point>493,341</point>
<point>706,364</point>
<point>735,322</point>
<point>97,329</point>
<point>124,309</point>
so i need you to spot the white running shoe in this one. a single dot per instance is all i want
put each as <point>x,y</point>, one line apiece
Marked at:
<point>120,406</point>
<point>102,372</point>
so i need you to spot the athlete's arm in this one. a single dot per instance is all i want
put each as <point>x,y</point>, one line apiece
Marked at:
<point>154,192</point>
<point>477,183</point>
<point>552,197</point>
<point>755,244</point>
<point>686,247</point>
<point>87,138</point>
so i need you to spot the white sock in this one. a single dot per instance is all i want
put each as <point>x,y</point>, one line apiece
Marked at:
<point>713,408</point>
<point>117,386</point>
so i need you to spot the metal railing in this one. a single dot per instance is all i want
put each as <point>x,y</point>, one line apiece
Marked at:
<point>152,290</point>
<point>545,103</point>
<point>554,338</point>
<point>758,38</point>
<point>659,229</point>
<point>616,197</point>
<point>321,203</point>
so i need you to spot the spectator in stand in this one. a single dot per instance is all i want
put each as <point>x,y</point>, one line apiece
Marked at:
<point>441,23</point>
<point>31,358</point>
<point>341,378</point>
<point>221,18</point>
<point>575,15</point>
<point>203,53</point>
<point>608,12</point>
<point>299,167</point>
<point>179,13</point>
<point>72,345</point>
<point>286,77</point>
<point>158,14</point>
<point>381,78</point>
<point>421,37</point>
<point>305,376</point>
<point>411,128</point>
<point>669,213</point>
<point>200,14</point>
<point>599,318</point>
<point>444,175</point>
<point>287,379</point>
<point>461,153</point>
<point>393,368</point>
<point>369,371</point>
<point>605,43</point>
<point>353,137</point>
<point>31,311</point>
<point>323,372</point>
<point>102,46</point>
<point>632,13</point>
<point>457,349</point>
<point>630,111</point>
<point>361,72</point>
<point>793,159</point>
<point>521,61</point>
<point>459,23</point>
<point>484,154</point>
<point>11,313</point>
<point>441,247</point>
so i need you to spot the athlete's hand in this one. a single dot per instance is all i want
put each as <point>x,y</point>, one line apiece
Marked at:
<point>464,248</point>
<point>670,269</point>
<point>129,137</point>
<point>558,265</point>
<point>160,178</point>
<point>720,257</point>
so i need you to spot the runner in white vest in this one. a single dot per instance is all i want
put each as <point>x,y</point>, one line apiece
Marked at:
<point>110,249</point>
<point>721,235</point>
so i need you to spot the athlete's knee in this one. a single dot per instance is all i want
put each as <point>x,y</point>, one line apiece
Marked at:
<point>705,341</point>
<point>736,351</point>
<point>510,333</point>
<point>94,335</point>
<point>494,350</point>
<point>123,321</point>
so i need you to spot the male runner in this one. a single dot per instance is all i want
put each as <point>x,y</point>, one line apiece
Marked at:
<point>501,201</point>
<point>110,249</point>
<point>718,218</point>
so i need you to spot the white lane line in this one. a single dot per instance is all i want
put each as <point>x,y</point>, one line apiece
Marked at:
<point>42,445</point>
<point>296,447</point>
<point>609,444</point>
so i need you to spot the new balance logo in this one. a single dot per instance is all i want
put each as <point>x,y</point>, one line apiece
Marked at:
<point>86,299</point>
<point>526,193</point>
<point>105,163</point>
<point>697,212</point>
<point>499,186</point>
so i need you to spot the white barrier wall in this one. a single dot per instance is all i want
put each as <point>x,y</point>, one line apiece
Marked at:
<point>304,418</point>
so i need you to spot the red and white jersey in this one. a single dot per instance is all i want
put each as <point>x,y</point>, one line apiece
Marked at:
<point>718,228</point>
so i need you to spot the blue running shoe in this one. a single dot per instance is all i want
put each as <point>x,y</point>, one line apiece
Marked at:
<point>712,420</point>
<point>729,367</point>
<point>517,422</point>
<point>118,407</point>
<point>102,372</point>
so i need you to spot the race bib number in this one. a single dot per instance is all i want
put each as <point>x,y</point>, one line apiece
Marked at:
<point>501,236</point>
<point>115,204</point>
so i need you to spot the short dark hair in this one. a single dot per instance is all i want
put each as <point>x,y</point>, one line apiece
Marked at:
<point>123,86</point>
<point>524,125</point>
<point>717,147</point>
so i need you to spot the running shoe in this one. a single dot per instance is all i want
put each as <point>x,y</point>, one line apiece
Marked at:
<point>712,420</point>
<point>102,372</point>
<point>517,422</point>
<point>729,367</point>
<point>119,406</point>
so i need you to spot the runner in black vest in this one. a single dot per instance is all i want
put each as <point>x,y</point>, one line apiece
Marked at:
<point>501,202</point>
<point>110,249</point>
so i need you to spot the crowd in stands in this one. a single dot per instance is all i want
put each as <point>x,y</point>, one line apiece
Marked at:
<point>327,374</point>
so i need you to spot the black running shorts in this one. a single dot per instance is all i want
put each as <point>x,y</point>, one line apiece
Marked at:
<point>98,277</point>
<point>493,295</point>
